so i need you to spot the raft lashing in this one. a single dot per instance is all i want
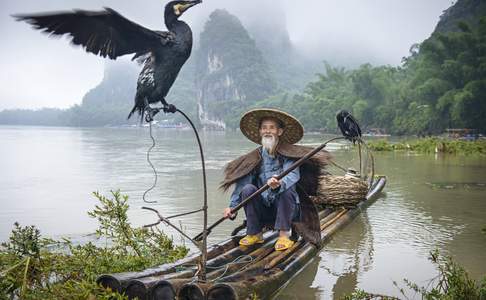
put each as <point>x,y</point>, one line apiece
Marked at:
<point>233,271</point>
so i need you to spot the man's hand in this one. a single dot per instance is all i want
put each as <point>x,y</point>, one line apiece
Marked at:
<point>273,182</point>
<point>227,213</point>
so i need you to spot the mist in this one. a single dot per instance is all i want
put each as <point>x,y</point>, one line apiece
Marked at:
<point>37,71</point>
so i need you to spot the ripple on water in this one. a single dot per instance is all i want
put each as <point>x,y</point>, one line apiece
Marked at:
<point>411,226</point>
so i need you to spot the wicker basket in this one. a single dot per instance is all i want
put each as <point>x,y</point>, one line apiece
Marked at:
<point>340,191</point>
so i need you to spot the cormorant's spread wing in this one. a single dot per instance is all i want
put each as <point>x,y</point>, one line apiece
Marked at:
<point>105,33</point>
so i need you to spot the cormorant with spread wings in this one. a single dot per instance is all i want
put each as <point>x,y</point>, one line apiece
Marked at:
<point>108,34</point>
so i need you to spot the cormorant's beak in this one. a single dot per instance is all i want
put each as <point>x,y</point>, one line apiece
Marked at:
<point>182,6</point>
<point>191,4</point>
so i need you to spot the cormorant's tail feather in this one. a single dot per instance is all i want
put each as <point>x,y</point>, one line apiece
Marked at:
<point>135,108</point>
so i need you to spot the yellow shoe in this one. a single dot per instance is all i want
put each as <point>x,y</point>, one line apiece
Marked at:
<point>251,240</point>
<point>283,243</point>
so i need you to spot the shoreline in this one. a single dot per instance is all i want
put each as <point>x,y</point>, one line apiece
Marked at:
<point>431,145</point>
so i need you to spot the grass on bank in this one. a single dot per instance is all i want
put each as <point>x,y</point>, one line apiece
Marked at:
<point>431,145</point>
<point>451,283</point>
<point>34,267</point>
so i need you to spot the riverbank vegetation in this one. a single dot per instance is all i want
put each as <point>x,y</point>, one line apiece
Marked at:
<point>35,267</point>
<point>452,282</point>
<point>440,85</point>
<point>431,145</point>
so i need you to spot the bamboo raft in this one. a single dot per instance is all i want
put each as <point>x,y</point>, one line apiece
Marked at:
<point>233,271</point>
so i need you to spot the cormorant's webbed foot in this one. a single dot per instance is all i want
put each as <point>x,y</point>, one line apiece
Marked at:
<point>150,113</point>
<point>169,108</point>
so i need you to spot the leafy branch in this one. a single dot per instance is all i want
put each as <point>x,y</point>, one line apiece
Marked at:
<point>33,267</point>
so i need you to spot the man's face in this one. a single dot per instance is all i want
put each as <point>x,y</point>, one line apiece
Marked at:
<point>270,127</point>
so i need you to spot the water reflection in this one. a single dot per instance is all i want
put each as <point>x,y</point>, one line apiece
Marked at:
<point>337,269</point>
<point>360,260</point>
<point>301,286</point>
<point>343,272</point>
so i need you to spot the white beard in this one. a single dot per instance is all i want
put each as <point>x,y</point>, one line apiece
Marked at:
<point>269,142</point>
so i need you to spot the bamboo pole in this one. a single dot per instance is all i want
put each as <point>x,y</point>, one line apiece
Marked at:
<point>283,255</point>
<point>118,282</point>
<point>166,289</point>
<point>339,214</point>
<point>140,287</point>
<point>264,284</point>
<point>193,291</point>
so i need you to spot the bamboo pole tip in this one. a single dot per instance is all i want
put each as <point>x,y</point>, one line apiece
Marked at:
<point>191,291</point>
<point>108,281</point>
<point>136,290</point>
<point>222,291</point>
<point>163,290</point>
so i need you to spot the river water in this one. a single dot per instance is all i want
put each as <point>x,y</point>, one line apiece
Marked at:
<point>47,176</point>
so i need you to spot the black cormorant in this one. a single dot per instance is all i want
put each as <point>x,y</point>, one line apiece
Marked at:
<point>348,126</point>
<point>108,33</point>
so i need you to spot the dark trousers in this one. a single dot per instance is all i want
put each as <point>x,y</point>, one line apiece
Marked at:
<point>280,214</point>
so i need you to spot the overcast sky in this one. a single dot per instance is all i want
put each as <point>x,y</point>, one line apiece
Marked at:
<point>37,71</point>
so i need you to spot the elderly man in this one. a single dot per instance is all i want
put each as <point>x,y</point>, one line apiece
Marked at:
<point>279,206</point>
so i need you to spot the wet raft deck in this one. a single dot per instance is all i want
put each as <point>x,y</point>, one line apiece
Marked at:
<point>233,271</point>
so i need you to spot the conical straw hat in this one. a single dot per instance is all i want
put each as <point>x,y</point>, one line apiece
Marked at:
<point>250,125</point>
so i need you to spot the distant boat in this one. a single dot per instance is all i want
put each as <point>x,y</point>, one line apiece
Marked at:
<point>176,126</point>
<point>466,134</point>
<point>166,124</point>
<point>376,132</point>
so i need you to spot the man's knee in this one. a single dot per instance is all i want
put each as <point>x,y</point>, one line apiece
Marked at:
<point>289,196</point>
<point>248,190</point>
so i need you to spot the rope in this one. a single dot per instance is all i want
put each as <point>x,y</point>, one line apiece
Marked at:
<point>242,259</point>
<point>338,166</point>
<point>203,245</point>
<point>151,165</point>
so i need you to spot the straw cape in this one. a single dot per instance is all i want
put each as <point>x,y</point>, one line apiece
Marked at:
<point>310,171</point>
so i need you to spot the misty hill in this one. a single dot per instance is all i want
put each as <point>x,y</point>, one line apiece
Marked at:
<point>255,65</point>
<point>290,69</point>
<point>231,71</point>
<point>110,101</point>
<point>440,85</point>
<point>39,117</point>
<point>448,70</point>
<point>106,104</point>
<point>469,11</point>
